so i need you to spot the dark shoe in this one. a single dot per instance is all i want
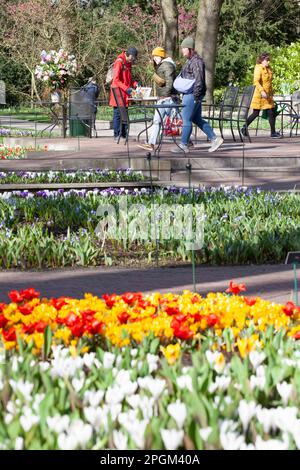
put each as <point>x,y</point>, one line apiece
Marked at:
<point>244,131</point>
<point>276,135</point>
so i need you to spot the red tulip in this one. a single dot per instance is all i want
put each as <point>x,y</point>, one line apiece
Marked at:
<point>110,300</point>
<point>123,318</point>
<point>88,315</point>
<point>40,326</point>
<point>250,301</point>
<point>95,327</point>
<point>297,335</point>
<point>181,331</point>
<point>30,294</point>
<point>235,288</point>
<point>10,334</point>
<point>172,310</point>
<point>78,329</point>
<point>29,329</point>
<point>290,308</point>
<point>2,307</point>
<point>59,303</point>
<point>26,309</point>
<point>212,320</point>
<point>3,321</point>
<point>131,297</point>
<point>15,296</point>
<point>71,320</point>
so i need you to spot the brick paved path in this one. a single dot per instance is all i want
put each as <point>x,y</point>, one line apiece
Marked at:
<point>273,282</point>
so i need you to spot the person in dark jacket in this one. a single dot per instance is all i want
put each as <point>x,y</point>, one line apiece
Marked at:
<point>122,78</point>
<point>92,90</point>
<point>164,75</point>
<point>194,69</point>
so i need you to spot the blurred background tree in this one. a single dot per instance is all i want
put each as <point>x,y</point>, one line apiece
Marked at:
<point>97,30</point>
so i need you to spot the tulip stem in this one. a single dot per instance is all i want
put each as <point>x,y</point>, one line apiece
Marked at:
<point>295,284</point>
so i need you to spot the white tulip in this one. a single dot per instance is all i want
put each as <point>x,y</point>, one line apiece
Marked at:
<point>172,438</point>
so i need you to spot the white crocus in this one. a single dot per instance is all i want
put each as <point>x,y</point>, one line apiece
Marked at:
<point>172,438</point>
<point>66,442</point>
<point>231,441</point>
<point>154,386</point>
<point>58,423</point>
<point>120,440</point>
<point>185,382</point>
<point>19,443</point>
<point>95,416</point>
<point>256,358</point>
<point>114,395</point>
<point>28,419</point>
<point>285,390</point>
<point>178,412</point>
<point>93,398</point>
<point>88,359</point>
<point>108,360</point>
<point>77,383</point>
<point>23,387</point>
<point>246,412</point>
<point>205,433</point>
<point>271,444</point>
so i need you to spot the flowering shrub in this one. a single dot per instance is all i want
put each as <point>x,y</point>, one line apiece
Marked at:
<point>220,372</point>
<point>56,68</point>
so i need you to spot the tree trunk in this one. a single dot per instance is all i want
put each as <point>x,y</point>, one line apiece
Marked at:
<point>170,26</point>
<point>206,39</point>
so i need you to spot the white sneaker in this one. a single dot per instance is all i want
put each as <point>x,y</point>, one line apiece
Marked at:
<point>181,148</point>
<point>216,144</point>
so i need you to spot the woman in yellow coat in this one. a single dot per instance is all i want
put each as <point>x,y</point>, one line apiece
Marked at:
<point>263,95</point>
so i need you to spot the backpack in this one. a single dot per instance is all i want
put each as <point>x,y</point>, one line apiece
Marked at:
<point>110,72</point>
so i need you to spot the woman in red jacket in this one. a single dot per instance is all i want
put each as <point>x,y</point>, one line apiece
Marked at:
<point>122,79</point>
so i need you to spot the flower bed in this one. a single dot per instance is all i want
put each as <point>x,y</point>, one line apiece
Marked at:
<point>78,176</point>
<point>18,152</point>
<point>57,228</point>
<point>149,372</point>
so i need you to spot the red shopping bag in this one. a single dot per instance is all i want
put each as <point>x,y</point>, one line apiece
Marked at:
<point>173,124</point>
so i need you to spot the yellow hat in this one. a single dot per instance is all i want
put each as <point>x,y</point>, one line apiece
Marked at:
<point>159,51</point>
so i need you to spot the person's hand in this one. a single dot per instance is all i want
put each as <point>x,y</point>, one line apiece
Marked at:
<point>264,94</point>
<point>129,91</point>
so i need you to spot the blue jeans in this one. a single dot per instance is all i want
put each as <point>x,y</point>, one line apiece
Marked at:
<point>192,114</point>
<point>117,123</point>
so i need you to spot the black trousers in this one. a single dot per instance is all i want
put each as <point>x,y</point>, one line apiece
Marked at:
<point>271,116</point>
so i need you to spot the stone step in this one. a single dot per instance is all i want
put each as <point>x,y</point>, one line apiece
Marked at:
<point>210,162</point>
<point>200,174</point>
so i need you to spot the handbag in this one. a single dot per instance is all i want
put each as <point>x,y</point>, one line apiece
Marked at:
<point>173,124</point>
<point>184,85</point>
